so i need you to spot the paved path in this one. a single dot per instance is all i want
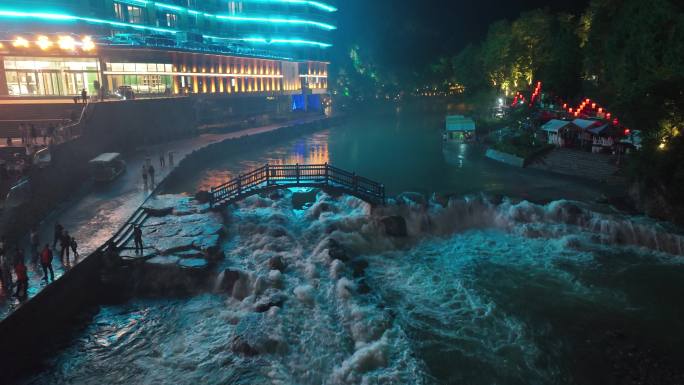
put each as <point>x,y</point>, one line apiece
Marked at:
<point>93,216</point>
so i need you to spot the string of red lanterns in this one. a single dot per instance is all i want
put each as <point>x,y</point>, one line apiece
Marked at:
<point>587,107</point>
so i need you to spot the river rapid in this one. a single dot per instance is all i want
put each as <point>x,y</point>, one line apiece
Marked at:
<point>487,288</point>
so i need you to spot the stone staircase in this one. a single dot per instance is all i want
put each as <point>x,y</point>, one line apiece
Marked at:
<point>583,164</point>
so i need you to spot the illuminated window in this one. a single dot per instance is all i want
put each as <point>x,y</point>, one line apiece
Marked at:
<point>234,7</point>
<point>135,15</point>
<point>167,20</point>
<point>50,76</point>
<point>119,12</point>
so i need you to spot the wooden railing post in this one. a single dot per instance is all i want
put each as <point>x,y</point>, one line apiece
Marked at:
<point>268,175</point>
<point>297,172</point>
<point>327,176</point>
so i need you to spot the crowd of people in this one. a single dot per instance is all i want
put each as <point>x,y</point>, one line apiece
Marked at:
<point>13,264</point>
<point>30,135</point>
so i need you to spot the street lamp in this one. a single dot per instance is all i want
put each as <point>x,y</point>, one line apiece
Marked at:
<point>20,42</point>
<point>43,42</point>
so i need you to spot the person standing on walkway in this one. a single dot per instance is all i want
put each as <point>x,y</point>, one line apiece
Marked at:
<point>137,238</point>
<point>64,243</point>
<point>144,175</point>
<point>57,234</point>
<point>6,266</point>
<point>35,246</point>
<point>33,135</point>
<point>150,170</point>
<point>84,96</point>
<point>22,279</point>
<point>46,262</point>
<point>162,159</point>
<point>74,248</point>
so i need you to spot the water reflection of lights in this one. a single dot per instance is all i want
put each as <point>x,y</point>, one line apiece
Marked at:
<point>312,151</point>
<point>455,153</point>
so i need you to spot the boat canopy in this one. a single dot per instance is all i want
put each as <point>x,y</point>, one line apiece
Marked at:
<point>459,123</point>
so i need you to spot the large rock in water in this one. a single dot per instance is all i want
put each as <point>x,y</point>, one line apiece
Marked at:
<point>395,226</point>
<point>411,199</point>
<point>303,197</point>
<point>257,334</point>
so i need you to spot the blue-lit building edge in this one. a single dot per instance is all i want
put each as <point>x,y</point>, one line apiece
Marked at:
<point>301,31</point>
<point>174,63</point>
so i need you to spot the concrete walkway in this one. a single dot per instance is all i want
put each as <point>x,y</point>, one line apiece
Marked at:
<point>95,215</point>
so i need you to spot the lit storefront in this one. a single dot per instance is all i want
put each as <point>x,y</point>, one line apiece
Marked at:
<point>143,78</point>
<point>50,76</point>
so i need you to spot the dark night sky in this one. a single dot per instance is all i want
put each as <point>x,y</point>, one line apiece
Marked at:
<point>408,34</point>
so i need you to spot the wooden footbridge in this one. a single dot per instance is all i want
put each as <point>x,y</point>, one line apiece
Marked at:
<point>273,177</point>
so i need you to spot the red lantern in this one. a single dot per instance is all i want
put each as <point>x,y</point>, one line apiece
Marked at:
<point>627,131</point>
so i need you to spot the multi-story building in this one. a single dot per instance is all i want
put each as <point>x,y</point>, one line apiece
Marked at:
<point>53,48</point>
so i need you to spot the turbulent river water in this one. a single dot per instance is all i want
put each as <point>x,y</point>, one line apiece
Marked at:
<point>488,288</point>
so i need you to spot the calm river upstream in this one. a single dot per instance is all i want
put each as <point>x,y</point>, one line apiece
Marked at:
<point>523,278</point>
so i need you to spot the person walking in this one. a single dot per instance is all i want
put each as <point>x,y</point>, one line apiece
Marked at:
<point>64,243</point>
<point>57,234</point>
<point>46,257</point>
<point>162,160</point>
<point>22,279</point>
<point>150,170</point>
<point>137,238</point>
<point>35,246</point>
<point>144,175</point>
<point>74,248</point>
<point>84,96</point>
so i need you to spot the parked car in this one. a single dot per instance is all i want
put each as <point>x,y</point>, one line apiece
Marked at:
<point>125,93</point>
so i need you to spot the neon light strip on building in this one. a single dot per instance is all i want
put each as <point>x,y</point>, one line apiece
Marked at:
<point>70,18</point>
<point>203,74</point>
<point>275,20</point>
<point>315,4</point>
<point>252,19</point>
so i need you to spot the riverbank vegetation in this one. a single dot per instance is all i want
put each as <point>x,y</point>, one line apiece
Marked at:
<point>629,54</point>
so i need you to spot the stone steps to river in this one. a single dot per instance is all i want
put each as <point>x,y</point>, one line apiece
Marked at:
<point>598,167</point>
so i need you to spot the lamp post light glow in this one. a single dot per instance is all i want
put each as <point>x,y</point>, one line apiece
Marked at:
<point>87,44</point>
<point>43,42</point>
<point>20,42</point>
<point>66,43</point>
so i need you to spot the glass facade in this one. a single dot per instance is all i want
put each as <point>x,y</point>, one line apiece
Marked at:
<point>143,78</point>
<point>42,76</point>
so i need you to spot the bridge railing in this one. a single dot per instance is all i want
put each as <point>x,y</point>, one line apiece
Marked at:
<point>293,175</point>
